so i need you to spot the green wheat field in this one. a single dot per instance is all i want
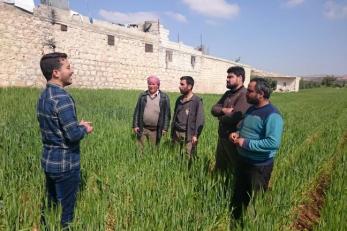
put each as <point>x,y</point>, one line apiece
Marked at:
<point>124,190</point>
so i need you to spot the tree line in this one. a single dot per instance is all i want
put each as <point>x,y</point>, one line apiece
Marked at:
<point>327,81</point>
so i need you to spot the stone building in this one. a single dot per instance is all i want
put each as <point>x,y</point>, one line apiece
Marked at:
<point>103,54</point>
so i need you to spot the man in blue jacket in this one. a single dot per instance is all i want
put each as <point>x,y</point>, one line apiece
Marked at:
<point>257,140</point>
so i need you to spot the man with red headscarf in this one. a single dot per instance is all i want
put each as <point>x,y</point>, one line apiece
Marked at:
<point>152,113</point>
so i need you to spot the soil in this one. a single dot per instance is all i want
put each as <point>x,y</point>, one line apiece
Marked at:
<point>309,212</point>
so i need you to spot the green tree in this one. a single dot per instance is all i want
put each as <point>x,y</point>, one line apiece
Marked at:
<point>272,82</point>
<point>329,81</point>
<point>305,84</point>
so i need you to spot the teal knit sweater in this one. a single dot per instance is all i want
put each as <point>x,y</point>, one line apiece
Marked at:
<point>262,130</point>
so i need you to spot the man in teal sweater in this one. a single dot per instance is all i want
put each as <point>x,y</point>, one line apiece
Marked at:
<point>257,139</point>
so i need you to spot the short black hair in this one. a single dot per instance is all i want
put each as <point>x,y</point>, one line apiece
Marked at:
<point>50,62</point>
<point>188,79</point>
<point>237,70</point>
<point>262,86</point>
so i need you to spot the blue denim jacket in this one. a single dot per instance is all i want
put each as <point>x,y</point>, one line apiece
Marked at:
<point>60,130</point>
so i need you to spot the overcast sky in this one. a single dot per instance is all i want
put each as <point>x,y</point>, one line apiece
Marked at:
<point>296,37</point>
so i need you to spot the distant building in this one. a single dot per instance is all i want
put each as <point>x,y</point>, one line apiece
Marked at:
<point>285,83</point>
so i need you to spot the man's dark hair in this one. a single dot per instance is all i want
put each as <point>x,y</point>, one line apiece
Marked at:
<point>237,70</point>
<point>50,62</point>
<point>188,79</point>
<point>262,86</point>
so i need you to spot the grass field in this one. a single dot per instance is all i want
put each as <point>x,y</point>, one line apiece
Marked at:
<point>123,190</point>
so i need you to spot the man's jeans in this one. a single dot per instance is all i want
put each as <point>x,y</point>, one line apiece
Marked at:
<point>62,188</point>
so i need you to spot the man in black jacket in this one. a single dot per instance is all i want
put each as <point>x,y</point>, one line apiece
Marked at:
<point>229,110</point>
<point>152,113</point>
<point>188,119</point>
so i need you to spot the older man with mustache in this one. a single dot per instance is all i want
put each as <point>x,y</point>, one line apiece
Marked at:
<point>152,114</point>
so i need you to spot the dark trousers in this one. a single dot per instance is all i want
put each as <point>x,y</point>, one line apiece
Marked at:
<point>62,188</point>
<point>249,179</point>
<point>225,156</point>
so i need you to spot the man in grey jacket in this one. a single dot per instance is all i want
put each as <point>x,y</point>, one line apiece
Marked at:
<point>188,120</point>
<point>152,113</point>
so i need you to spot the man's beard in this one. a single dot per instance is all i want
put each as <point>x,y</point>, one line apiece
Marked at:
<point>67,82</point>
<point>184,92</point>
<point>232,87</point>
<point>252,101</point>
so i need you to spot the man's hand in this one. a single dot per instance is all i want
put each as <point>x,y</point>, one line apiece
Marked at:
<point>239,141</point>
<point>136,130</point>
<point>194,140</point>
<point>236,139</point>
<point>87,125</point>
<point>234,136</point>
<point>227,110</point>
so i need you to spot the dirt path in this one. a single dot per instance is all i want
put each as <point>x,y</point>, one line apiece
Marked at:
<point>308,212</point>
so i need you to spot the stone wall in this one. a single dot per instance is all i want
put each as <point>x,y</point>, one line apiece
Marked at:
<point>21,44</point>
<point>25,37</point>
